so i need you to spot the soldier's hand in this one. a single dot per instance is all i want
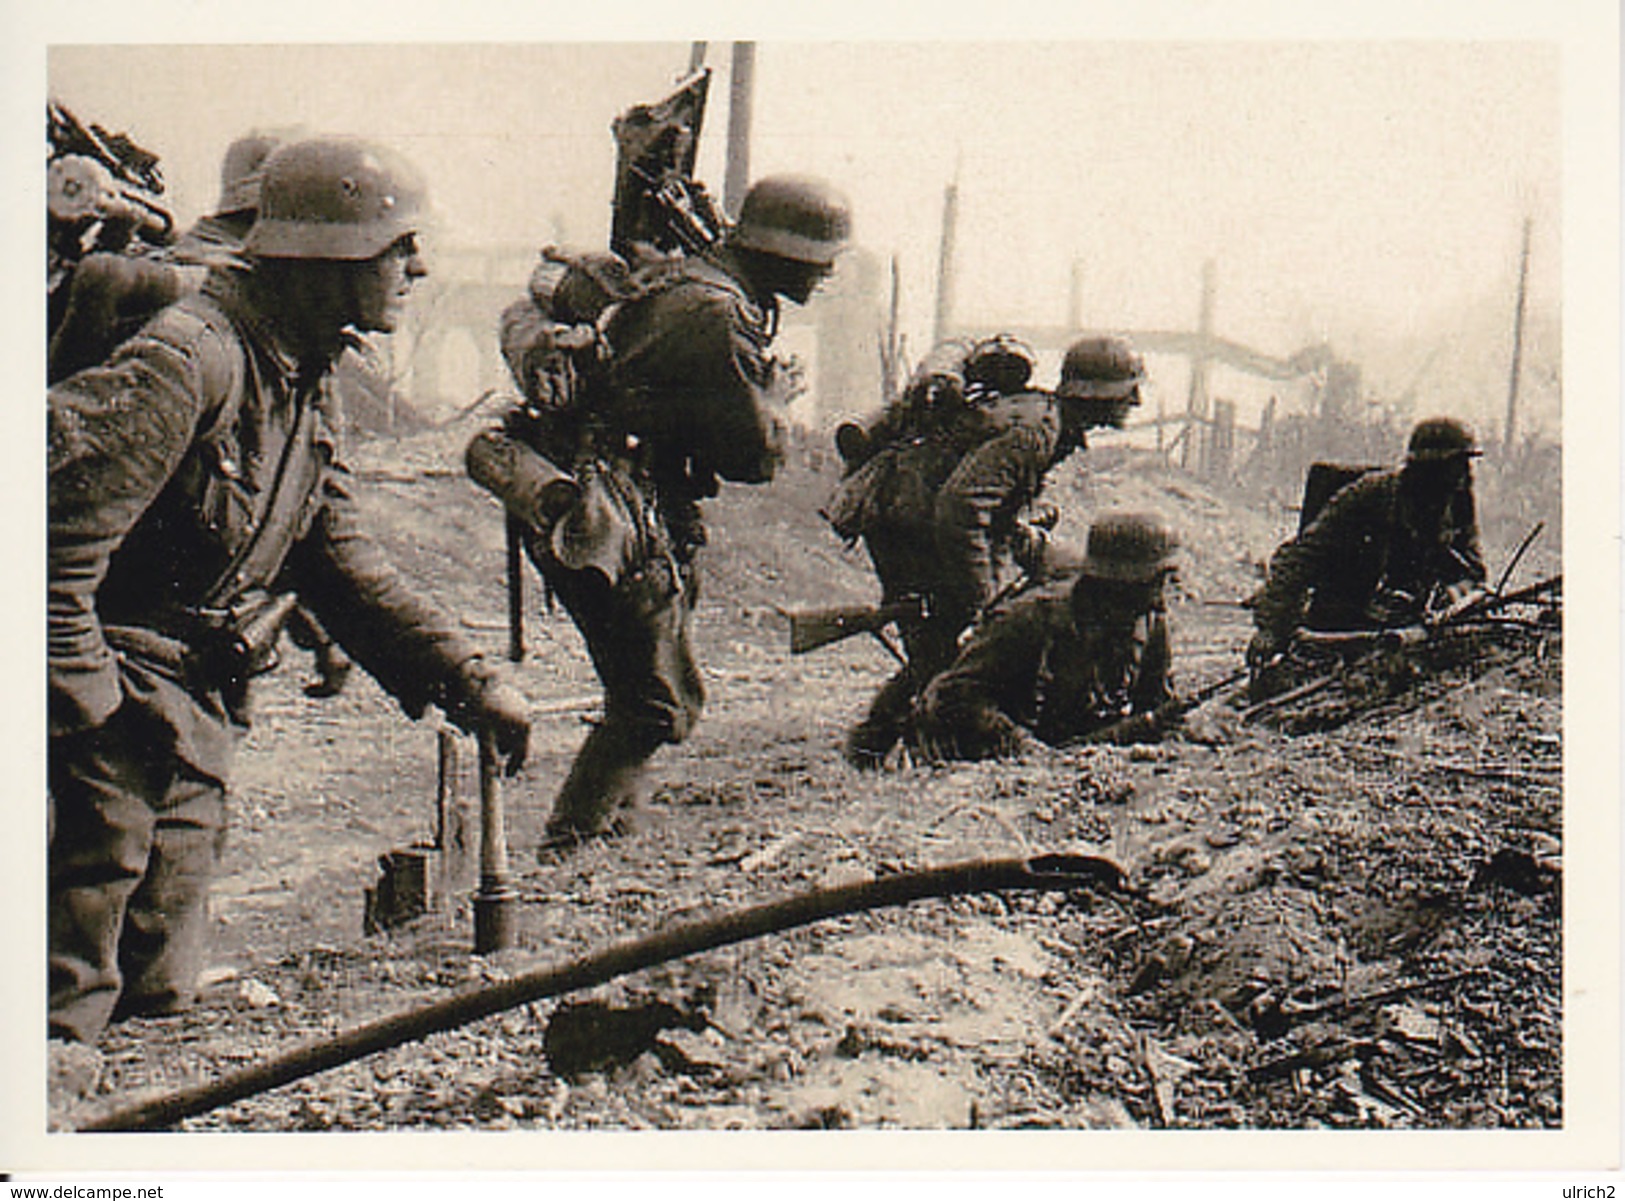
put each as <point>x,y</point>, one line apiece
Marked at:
<point>1263,650</point>
<point>491,703</point>
<point>1456,598</point>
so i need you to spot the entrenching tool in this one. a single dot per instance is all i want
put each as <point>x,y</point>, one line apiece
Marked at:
<point>416,879</point>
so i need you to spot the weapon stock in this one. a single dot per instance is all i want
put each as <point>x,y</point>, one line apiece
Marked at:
<point>811,629</point>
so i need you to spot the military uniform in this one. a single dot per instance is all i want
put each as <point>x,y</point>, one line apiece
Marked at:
<point>691,398</point>
<point>190,478</point>
<point>1031,670</point>
<point>1369,547</point>
<point>945,523</point>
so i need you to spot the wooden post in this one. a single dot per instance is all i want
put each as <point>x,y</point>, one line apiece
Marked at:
<point>494,903</point>
<point>891,353</point>
<point>945,264</point>
<point>1196,401</point>
<point>741,89</point>
<point>696,56</point>
<point>516,587</point>
<point>1517,345</point>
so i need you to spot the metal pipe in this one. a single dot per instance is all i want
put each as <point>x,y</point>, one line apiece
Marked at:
<point>445,785</point>
<point>1042,873</point>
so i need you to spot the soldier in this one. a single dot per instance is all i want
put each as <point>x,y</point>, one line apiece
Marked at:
<point>193,486</point>
<point>690,396</point>
<point>1063,659</point>
<point>112,295</point>
<point>948,507</point>
<point>1388,549</point>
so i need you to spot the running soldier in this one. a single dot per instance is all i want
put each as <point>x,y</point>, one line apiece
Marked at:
<point>683,393</point>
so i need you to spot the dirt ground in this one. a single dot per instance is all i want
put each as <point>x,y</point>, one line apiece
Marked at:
<point>1357,926</point>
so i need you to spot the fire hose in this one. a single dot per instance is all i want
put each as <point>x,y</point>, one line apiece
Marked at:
<point>1042,873</point>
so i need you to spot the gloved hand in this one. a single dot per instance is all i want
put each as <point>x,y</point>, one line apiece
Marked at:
<point>1455,598</point>
<point>1028,548</point>
<point>1263,650</point>
<point>488,701</point>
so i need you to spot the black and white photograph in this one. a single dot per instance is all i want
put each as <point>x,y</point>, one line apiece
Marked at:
<point>950,581</point>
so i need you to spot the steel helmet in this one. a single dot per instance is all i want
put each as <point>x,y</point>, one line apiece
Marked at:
<point>1101,369</point>
<point>241,173</point>
<point>1135,547</point>
<point>1002,362</point>
<point>1440,438</point>
<point>335,198</point>
<point>794,217</point>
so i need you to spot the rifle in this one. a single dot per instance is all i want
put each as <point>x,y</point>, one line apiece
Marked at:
<point>1138,726</point>
<point>1472,613</point>
<point>811,629</point>
<point>1475,614</point>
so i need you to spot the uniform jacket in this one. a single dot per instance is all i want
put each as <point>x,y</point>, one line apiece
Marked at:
<point>1367,538</point>
<point>161,464</point>
<point>1029,666</point>
<point>691,373</point>
<point>940,508</point>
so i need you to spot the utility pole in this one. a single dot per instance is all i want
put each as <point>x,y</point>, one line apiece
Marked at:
<point>945,262</point>
<point>1074,297</point>
<point>741,91</point>
<point>696,56</point>
<point>1196,401</point>
<point>1517,344</point>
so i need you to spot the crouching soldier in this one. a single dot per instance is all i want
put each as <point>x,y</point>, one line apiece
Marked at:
<point>1392,548</point>
<point>1062,660</point>
<point>194,495</point>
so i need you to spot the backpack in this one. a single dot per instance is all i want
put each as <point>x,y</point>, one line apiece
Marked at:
<point>1324,481</point>
<point>554,344</point>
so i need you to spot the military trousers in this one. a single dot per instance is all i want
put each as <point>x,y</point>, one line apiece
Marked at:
<point>136,834</point>
<point>638,634</point>
<point>906,563</point>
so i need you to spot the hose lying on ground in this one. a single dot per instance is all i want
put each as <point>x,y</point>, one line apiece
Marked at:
<point>1043,873</point>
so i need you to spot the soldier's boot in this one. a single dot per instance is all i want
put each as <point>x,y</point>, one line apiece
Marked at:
<point>166,923</point>
<point>872,739</point>
<point>332,670</point>
<point>602,791</point>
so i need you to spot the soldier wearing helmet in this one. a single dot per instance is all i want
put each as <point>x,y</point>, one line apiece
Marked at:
<point>1100,382</point>
<point>114,295</point>
<point>689,395</point>
<point>1388,549</point>
<point>194,495</point>
<point>950,505</point>
<point>1064,659</point>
